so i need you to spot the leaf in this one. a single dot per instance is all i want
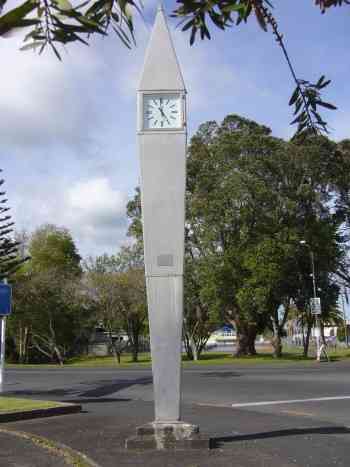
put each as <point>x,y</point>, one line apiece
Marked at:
<point>56,52</point>
<point>327,105</point>
<point>193,35</point>
<point>126,42</point>
<point>260,18</point>
<point>14,17</point>
<point>188,25</point>
<point>298,105</point>
<point>326,83</point>
<point>294,96</point>
<point>64,5</point>
<point>299,118</point>
<point>32,46</point>
<point>319,82</point>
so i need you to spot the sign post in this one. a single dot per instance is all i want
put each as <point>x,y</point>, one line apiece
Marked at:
<point>5,310</point>
<point>315,306</point>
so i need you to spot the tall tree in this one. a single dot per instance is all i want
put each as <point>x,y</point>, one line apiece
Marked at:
<point>49,318</point>
<point>10,260</point>
<point>53,247</point>
<point>252,199</point>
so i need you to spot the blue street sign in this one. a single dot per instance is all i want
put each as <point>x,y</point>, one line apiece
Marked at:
<point>5,299</point>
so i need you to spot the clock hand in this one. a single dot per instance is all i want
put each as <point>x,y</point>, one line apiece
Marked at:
<point>163,114</point>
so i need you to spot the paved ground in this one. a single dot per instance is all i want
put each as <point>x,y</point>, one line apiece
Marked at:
<point>256,432</point>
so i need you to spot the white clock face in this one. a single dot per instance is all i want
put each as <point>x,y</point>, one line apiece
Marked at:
<point>162,111</point>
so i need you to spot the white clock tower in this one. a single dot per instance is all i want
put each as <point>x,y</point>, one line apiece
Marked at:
<point>162,147</point>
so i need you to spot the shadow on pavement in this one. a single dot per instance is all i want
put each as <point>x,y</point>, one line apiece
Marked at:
<point>328,430</point>
<point>96,400</point>
<point>221,374</point>
<point>111,388</point>
<point>99,390</point>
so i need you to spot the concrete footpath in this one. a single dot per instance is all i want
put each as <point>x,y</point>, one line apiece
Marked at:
<point>242,438</point>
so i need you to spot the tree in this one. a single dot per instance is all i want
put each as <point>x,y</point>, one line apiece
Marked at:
<point>133,307</point>
<point>224,208</point>
<point>53,247</point>
<point>252,199</point>
<point>103,292</point>
<point>10,260</point>
<point>116,285</point>
<point>201,317</point>
<point>59,22</point>
<point>49,317</point>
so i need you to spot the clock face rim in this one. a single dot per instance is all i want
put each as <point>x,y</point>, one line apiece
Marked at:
<point>174,95</point>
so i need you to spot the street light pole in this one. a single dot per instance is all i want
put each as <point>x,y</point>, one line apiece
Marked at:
<point>317,317</point>
<point>317,320</point>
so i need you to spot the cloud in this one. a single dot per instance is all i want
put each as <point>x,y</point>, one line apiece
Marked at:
<point>95,201</point>
<point>92,209</point>
<point>96,214</point>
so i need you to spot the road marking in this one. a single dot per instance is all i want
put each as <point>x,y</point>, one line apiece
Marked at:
<point>297,413</point>
<point>291,401</point>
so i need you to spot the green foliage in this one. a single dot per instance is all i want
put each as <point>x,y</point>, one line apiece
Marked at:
<point>341,333</point>
<point>307,98</point>
<point>60,22</point>
<point>52,247</point>
<point>251,199</point>
<point>115,288</point>
<point>49,320</point>
<point>225,14</point>
<point>9,257</point>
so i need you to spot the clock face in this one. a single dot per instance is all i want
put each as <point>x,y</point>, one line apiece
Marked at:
<point>162,111</point>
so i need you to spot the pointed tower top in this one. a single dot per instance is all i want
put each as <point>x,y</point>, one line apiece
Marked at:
<point>161,70</point>
<point>160,6</point>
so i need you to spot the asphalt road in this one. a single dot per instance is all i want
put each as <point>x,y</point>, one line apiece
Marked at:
<point>261,415</point>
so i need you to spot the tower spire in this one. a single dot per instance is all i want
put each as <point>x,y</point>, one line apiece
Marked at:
<point>161,70</point>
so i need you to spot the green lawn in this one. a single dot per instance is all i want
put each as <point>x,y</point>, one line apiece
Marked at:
<point>10,404</point>
<point>290,355</point>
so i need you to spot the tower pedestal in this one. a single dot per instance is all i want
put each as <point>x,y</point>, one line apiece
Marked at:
<point>170,435</point>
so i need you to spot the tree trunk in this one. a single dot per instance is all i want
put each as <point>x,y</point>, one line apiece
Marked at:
<point>194,348</point>
<point>188,349</point>
<point>322,332</point>
<point>276,341</point>
<point>58,355</point>
<point>135,348</point>
<point>252,332</point>
<point>246,335</point>
<point>306,340</point>
<point>277,346</point>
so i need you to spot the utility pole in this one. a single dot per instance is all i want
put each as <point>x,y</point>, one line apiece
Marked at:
<point>317,316</point>
<point>316,306</point>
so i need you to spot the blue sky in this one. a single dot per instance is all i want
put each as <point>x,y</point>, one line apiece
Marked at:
<point>68,130</point>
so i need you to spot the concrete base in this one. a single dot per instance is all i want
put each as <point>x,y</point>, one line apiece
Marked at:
<point>170,435</point>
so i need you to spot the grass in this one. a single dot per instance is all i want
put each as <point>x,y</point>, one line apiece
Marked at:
<point>10,404</point>
<point>290,355</point>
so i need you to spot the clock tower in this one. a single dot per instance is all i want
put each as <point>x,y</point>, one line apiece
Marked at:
<point>162,133</point>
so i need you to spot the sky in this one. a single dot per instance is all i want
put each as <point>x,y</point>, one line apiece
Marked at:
<point>68,129</point>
